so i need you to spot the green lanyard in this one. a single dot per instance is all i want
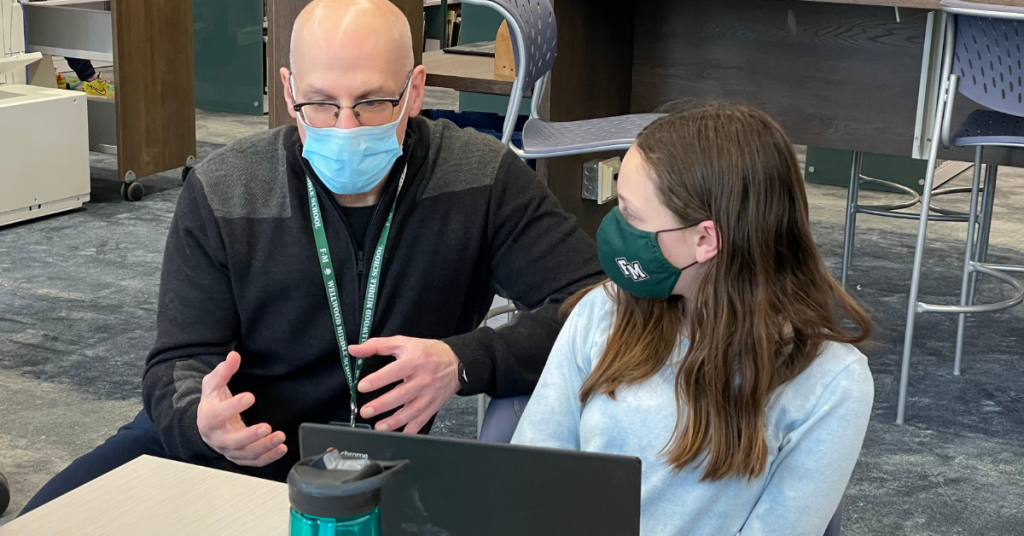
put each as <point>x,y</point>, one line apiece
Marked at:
<point>327,269</point>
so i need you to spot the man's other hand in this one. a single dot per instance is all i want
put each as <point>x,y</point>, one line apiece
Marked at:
<point>220,421</point>
<point>428,371</point>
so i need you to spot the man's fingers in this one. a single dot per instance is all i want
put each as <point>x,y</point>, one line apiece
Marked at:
<point>267,458</point>
<point>399,396</point>
<point>378,346</point>
<point>418,423</point>
<point>224,411</point>
<point>403,416</point>
<point>218,378</point>
<point>393,372</point>
<point>256,450</point>
<point>240,439</point>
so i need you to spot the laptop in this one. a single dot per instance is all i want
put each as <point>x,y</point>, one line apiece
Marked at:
<point>457,487</point>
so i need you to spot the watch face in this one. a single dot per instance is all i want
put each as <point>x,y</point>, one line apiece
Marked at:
<point>463,378</point>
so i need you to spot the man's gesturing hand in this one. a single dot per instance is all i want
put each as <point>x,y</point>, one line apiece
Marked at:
<point>220,421</point>
<point>428,371</point>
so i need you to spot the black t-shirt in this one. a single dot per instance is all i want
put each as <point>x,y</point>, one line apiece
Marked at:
<point>358,219</point>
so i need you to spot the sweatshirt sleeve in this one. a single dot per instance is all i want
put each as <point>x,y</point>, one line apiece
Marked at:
<point>552,417</point>
<point>816,459</point>
<point>539,257</point>
<point>197,326</point>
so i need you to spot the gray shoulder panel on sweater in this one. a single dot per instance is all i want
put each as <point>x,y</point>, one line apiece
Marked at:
<point>461,158</point>
<point>248,178</point>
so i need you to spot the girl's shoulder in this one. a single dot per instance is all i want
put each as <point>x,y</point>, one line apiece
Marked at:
<point>840,374</point>
<point>596,309</point>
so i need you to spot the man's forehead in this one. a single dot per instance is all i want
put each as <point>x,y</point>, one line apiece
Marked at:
<point>322,79</point>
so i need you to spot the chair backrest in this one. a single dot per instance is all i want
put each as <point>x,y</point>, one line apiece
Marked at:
<point>534,32</point>
<point>532,24</point>
<point>989,59</point>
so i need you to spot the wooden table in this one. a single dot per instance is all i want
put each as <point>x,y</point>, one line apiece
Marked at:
<point>154,497</point>
<point>463,72</point>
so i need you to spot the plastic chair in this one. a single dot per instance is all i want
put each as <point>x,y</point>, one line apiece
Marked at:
<point>982,60</point>
<point>503,416</point>
<point>531,25</point>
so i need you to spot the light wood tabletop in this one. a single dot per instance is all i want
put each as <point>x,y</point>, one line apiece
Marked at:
<point>153,496</point>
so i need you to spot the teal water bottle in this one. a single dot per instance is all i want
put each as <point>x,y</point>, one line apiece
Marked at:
<point>338,494</point>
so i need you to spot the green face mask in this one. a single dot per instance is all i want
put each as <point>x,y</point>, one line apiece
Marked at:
<point>633,259</point>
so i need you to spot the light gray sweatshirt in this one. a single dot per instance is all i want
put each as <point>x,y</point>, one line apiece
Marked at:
<point>814,425</point>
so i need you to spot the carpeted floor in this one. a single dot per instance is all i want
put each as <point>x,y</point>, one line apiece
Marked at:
<point>78,301</point>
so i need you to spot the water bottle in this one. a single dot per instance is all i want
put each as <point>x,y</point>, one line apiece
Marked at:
<point>337,494</point>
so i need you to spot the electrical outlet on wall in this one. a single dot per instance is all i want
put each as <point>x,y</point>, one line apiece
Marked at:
<point>607,177</point>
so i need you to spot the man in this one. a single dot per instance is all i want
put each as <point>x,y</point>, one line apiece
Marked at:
<point>285,239</point>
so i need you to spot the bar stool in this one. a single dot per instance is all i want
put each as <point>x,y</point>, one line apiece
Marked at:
<point>983,61</point>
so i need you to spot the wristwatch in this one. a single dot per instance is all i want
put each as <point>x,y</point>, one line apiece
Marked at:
<point>463,378</point>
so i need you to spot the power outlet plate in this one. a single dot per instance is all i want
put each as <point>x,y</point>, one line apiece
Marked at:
<point>607,175</point>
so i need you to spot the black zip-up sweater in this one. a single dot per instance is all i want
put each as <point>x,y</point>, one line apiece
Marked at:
<point>241,273</point>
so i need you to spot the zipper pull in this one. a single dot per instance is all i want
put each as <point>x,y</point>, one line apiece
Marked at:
<point>359,264</point>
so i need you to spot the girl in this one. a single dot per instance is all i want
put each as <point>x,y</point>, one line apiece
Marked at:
<point>716,353</point>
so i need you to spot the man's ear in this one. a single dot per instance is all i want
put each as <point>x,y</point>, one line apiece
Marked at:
<point>417,85</point>
<point>707,241</point>
<point>288,92</point>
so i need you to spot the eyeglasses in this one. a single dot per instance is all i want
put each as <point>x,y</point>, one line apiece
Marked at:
<point>369,112</point>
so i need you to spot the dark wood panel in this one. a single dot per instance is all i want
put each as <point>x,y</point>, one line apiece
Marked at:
<point>281,15</point>
<point>841,76</point>
<point>155,85</point>
<point>591,78</point>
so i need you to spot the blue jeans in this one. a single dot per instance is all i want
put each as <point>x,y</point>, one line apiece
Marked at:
<point>131,441</point>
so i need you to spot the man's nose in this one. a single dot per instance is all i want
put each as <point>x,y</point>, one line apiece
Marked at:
<point>347,119</point>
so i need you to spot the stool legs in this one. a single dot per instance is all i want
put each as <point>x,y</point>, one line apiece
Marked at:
<point>915,279</point>
<point>970,257</point>
<point>851,213</point>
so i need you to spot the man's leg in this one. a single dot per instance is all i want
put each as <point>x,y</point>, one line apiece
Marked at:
<point>82,68</point>
<point>131,441</point>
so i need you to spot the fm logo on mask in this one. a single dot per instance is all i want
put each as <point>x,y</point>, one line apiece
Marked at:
<point>632,270</point>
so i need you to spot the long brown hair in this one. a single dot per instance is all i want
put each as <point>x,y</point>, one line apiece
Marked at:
<point>762,310</point>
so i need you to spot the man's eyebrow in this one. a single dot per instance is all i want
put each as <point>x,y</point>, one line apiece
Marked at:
<point>374,93</point>
<point>314,90</point>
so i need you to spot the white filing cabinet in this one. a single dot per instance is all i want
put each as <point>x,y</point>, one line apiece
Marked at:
<point>44,152</point>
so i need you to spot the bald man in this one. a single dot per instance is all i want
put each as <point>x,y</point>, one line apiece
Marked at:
<point>356,251</point>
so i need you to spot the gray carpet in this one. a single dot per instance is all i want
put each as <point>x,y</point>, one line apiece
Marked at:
<point>78,300</point>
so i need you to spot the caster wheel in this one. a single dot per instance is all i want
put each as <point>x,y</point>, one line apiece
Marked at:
<point>132,191</point>
<point>184,173</point>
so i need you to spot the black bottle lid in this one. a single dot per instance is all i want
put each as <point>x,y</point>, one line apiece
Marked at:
<point>337,485</point>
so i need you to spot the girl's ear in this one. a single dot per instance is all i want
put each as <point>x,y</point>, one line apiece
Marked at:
<point>707,241</point>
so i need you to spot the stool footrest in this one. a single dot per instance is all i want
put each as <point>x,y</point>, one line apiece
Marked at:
<point>995,270</point>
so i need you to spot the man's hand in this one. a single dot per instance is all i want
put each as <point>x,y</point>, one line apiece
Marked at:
<point>428,370</point>
<point>220,421</point>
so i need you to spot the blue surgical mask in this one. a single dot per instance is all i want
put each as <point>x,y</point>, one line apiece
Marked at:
<point>353,161</point>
